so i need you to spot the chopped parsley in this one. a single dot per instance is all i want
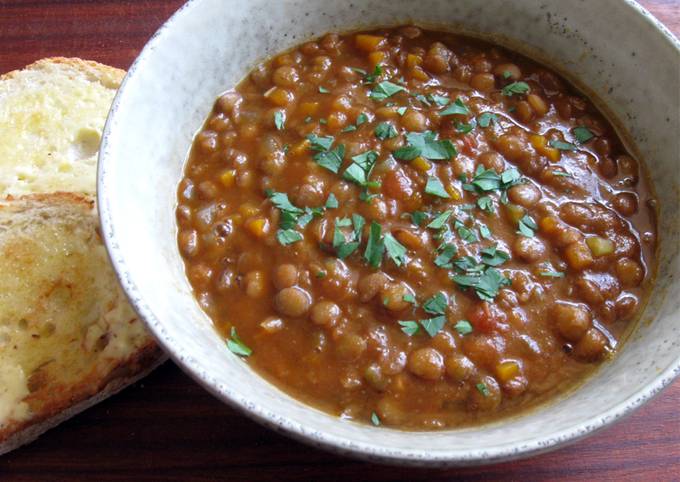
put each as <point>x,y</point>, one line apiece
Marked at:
<point>349,128</point>
<point>433,325</point>
<point>446,252</point>
<point>456,107</point>
<point>482,388</point>
<point>418,217</point>
<point>492,256</point>
<point>323,90</point>
<point>395,250</point>
<point>436,305</point>
<point>552,274</point>
<point>331,202</point>
<point>385,130</point>
<point>279,120</point>
<point>288,236</point>
<point>425,144</point>
<point>409,298</point>
<point>583,134</point>
<point>463,327</point>
<point>361,119</point>
<point>485,119</point>
<point>527,226</point>
<point>401,110</point>
<point>236,345</point>
<point>515,88</point>
<point>326,157</point>
<point>465,127</point>
<point>384,90</point>
<point>485,203</point>
<point>360,169</point>
<point>507,74</point>
<point>440,220</point>
<point>375,247</point>
<point>561,145</point>
<point>409,327</point>
<point>440,100</point>
<point>435,187</point>
<point>375,420</point>
<point>486,286</point>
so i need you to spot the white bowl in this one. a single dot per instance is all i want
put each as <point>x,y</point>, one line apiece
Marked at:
<point>615,47</point>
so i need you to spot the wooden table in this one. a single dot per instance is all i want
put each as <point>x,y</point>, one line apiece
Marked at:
<point>166,427</point>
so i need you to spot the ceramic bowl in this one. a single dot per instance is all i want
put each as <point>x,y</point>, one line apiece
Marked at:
<point>615,47</point>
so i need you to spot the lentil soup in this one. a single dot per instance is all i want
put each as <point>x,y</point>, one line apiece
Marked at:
<point>415,229</point>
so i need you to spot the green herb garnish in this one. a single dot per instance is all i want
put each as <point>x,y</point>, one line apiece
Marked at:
<point>515,88</point>
<point>385,89</point>
<point>279,120</point>
<point>435,187</point>
<point>409,327</point>
<point>425,144</point>
<point>463,327</point>
<point>323,90</point>
<point>527,226</point>
<point>385,130</point>
<point>236,345</point>
<point>583,134</point>
<point>456,107</point>
<point>375,420</point>
<point>395,250</point>
<point>375,248</point>
<point>485,119</point>
<point>561,145</point>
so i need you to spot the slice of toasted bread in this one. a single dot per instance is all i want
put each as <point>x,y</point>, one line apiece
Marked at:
<point>51,117</point>
<point>68,337</point>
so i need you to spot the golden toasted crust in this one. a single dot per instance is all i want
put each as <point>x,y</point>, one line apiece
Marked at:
<point>109,77</point>
<point>83,396</point>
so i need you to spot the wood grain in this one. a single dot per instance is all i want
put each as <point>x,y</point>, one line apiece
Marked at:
<point>168,428</point>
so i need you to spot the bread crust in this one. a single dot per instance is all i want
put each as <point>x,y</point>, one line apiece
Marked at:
<point>108,76</point>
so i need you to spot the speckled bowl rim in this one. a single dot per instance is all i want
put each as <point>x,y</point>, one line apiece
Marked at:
<point>317,437</point>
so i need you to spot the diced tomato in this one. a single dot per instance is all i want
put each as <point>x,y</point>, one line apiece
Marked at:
<point>397,185</point>
<point>485,318</point>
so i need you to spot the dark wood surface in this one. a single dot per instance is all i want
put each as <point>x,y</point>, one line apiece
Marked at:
<point>167,428</point>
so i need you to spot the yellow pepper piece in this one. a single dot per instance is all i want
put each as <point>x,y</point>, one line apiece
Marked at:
<point>369,43</point>
<point>453,192</point>
<point>540,143</point>
<point>308,108</point>
<point>376,58</point>
<point>600,246</point>
<point>413,60</point>
<point>421,164</point>
<point>419,74</point>
<point>258,227</point>
<point>228,177</point>
<point>507,370</point>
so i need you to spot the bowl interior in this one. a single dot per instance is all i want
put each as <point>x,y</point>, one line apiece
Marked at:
<point>211,44</point>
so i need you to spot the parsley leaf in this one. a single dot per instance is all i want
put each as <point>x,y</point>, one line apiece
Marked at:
<point>360,169</point>
<point>279,120</point>
<point>485,203</point>
<point>433,325</point>
<point>401,110</point>
<point>409,327</point>
<point>395,250</point>
<point>349,128</point>
<point>288,236</point>
<point>425,144</point>
<point>561,145</point>
<point>527,226</point>
<point>456,107</point>
<point>385,130</point>
<point>486,286</point>
<point>281,201</point>
<point>465,128</point>
<point>409,298</point>
<point>440,100</point>
<point>323,90</point>
<point>375,420</point>
<point>332,201</point>
<point>463,327</point>
<point>361,119</point>
<point>418,217</point>
<point>385,89</point>
<point>440,220</point>
<point>446,252</point>
<point>320,143</point>
<point>236,345</point>
<point>552,274</point>
<point>493,257</point>
<point>583,134</point>
<point>482,388</point>
<point>435,187</point>
<point>515,88</point>
<point>485,119</point>
<point>436,305</point>
<point>373,76</point>
<point>374,246</point>
<point>484,231</point>
<point>331,160</point>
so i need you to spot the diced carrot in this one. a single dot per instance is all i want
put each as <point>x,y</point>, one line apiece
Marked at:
<point>369,43</point>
